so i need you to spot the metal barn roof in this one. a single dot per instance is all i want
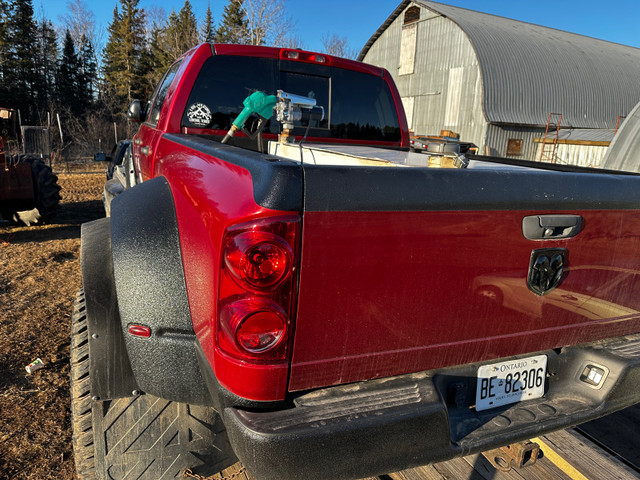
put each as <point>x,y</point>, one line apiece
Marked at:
<point>595,135</point>
<point>529,71</point>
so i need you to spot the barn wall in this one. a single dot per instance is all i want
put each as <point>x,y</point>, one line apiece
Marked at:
<point>581,155</point>
<point>439,81</point>
<point>498,137</point>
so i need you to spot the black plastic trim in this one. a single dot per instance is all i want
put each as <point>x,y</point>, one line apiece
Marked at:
<point>277,183</point>
<point>111,374</point>
<point>151,289</point>
<point>556,167</point>
<point>360,189</point>
<point>396,423</point>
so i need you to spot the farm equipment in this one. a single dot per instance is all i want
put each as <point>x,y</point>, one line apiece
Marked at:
<point>29,190</point>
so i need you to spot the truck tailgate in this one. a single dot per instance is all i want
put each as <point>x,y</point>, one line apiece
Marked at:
<point>405,269</point>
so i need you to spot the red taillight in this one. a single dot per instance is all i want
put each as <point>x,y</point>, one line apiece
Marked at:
<point>257,325</point>
<point>261,331</point>
<point>257,289</point>
<point>260,260</point>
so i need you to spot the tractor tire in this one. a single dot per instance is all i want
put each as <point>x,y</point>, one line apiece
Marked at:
<point>140,437</point>
<point>46,187</point>
<point>46,192</point>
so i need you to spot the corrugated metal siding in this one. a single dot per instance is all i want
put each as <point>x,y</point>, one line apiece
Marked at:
<point>498,137</point>
<point>585,135</point>
<point>442,48</point>
<point>529,71</point>
<point>581,155</point>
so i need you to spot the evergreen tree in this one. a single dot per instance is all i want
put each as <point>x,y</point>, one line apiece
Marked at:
<point>182,31</point>
<point>233,26</point>
<point>170,40</point>
<point>89,68</point>
<point>70,78</point>
<point>4,93</point>
<point>20,54</point>
<point>125,54</point>
<point>46,63</point>
<point>161,58</point>
<point>207,34</point>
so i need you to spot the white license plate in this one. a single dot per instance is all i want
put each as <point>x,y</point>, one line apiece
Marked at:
<point>510,382</point>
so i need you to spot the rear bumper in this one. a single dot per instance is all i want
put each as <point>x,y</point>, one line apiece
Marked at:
<point>391,424</point>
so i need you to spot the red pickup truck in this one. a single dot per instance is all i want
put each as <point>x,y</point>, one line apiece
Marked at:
<point>310,296</point>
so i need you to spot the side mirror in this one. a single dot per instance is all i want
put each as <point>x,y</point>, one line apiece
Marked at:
<point>100,157</point>
<point>135,112</point>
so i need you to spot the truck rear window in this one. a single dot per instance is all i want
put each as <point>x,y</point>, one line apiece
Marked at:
<point>358,106</point>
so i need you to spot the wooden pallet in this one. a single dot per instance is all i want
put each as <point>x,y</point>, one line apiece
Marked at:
<point>567,455</point>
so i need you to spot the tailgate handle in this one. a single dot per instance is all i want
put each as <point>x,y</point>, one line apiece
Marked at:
<point>551,227</point>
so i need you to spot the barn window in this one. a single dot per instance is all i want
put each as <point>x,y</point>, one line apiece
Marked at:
<point>514,146</point>
<point>412,14</point>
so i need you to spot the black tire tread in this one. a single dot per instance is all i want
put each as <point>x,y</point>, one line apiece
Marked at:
<point>47,190</point>
<point>140,437</point>
<point>81,415</point>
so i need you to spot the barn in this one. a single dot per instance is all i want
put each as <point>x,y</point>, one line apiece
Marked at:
<point>513,88</point>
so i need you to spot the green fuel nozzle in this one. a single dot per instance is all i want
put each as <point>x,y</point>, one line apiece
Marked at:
<point>259,103</point>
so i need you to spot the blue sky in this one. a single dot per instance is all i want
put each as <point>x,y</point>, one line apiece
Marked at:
<point>357,20</point>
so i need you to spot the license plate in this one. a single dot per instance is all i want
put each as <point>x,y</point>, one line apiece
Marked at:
<point>510,382</point>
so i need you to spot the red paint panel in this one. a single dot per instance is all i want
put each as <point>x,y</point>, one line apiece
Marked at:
<point>147,136</point>
<point>402,117</point>
<point>386,293</point>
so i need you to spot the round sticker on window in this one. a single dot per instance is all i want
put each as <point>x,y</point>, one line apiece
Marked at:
<point>199,115</point>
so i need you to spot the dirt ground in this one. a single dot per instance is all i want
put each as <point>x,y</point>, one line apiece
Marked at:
<point>39,275</point>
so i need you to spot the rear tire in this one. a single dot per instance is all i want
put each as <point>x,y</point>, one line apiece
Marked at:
<point>142,437</point>
<point>81,409</point>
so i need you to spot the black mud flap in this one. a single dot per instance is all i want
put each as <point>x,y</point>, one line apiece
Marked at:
<point>111,373</point>
<point>147,438</point>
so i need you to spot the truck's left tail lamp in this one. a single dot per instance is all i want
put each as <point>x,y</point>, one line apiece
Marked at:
<point>257,289</point>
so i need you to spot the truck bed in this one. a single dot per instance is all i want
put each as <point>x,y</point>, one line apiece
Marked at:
<point>427,267</point>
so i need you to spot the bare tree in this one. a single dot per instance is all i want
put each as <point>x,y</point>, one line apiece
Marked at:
<point>155,19</point>
<point>292,41</point>
<point>268,22</point>
<point>338,46</point>
<point>80,21</point>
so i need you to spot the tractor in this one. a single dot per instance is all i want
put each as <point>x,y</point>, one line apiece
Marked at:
<point>29,190</point>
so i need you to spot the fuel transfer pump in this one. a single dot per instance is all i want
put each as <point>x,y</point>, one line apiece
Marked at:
<point>289,109</point>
